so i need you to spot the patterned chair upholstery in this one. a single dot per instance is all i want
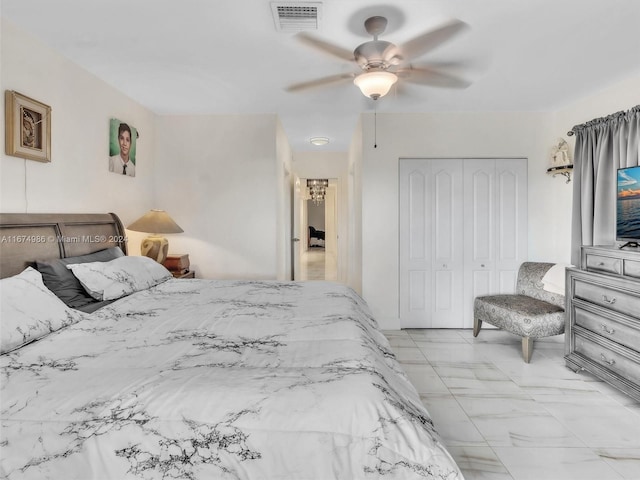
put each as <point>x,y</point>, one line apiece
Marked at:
<point>530,313</point>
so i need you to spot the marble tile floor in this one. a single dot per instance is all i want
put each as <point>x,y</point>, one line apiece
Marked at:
<point>318,264</point>
<point>503,419</point>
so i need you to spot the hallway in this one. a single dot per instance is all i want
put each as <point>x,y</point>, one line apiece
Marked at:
<point>317,264</point>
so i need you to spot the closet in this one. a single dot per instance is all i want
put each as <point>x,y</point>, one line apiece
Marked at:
<point>463,233</point>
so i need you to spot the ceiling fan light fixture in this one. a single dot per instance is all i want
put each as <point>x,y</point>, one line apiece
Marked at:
<point>375,84</point>
<point>319,141</point>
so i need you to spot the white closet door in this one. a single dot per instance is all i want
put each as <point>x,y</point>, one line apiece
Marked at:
<point>463,233</point>
<point>415,243</point>
<point>430,243</point>
<point>447,255</point>
<point>479,232</point>
<point>495,229</point>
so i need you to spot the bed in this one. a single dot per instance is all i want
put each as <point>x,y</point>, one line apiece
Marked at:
<point>195,379</point>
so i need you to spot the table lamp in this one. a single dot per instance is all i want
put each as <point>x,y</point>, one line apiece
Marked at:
<point>155,222</point>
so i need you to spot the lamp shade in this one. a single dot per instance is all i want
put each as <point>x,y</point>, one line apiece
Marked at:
<point>375,84</point>
<point>155,221</point>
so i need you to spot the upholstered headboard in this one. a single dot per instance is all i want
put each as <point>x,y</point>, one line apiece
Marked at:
<point>27,237</point>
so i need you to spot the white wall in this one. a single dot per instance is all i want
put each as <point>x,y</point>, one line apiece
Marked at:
<point>315,215</point>
<point>216,176</point>
<point>354,187</point>
<point>77,179</point>
<point>284,226</point>
<point>320,164</point>
<point>618,97</point>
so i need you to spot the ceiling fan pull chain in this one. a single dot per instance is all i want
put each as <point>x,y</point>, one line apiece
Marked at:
<point>375,126</point>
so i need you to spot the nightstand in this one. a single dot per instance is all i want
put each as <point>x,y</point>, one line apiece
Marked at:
<point>178,265</point>
<point>189,274</point>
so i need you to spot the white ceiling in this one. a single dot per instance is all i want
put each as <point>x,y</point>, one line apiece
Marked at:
<point>226,56</point>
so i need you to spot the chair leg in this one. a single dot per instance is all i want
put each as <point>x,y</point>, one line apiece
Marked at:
<point>477,324</point>
<point>527,348</point>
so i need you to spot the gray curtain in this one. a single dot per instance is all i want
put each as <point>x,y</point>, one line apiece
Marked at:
<point>602,146</point>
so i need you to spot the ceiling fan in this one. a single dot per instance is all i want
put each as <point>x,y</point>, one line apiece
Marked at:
<point>383,63</point>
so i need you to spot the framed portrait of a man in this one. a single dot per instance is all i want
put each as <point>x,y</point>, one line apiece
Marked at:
<point>122,148</point>
<point>27,127</point>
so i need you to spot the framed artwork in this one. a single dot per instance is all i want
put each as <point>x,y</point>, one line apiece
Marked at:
<point>122,148</point>
<point>27,127</point>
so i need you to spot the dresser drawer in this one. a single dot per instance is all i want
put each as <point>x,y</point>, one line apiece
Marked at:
<point>626,335</point>
<point>607,358</point>
<point>608,297</point>
<point>601,263</point>
<point>632,268</point>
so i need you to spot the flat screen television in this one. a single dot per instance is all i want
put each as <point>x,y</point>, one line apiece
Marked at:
<point>628,206</point>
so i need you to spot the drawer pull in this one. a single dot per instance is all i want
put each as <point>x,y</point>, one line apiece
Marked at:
<point>608,362</point>
<point>601,264</point>
<point>608,300</point>
<point>607,329</point>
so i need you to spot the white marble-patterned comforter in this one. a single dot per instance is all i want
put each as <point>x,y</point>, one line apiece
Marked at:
<point>199,379</point>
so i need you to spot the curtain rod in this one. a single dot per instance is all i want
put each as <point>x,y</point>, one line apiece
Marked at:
<point>596,121</point>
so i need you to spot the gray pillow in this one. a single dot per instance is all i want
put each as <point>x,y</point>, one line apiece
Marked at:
<point>96,305</point>
<point>64,284</point>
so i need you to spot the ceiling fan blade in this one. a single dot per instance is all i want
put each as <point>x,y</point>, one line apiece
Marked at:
<point>432,77</point>
<point>320,82</point>
<point>326,47</point>
<point>421,44</point>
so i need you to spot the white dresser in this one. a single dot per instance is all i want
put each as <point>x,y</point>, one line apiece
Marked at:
<point>602,333</point>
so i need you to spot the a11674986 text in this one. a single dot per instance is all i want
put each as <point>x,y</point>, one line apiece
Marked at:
<point>65,239</point>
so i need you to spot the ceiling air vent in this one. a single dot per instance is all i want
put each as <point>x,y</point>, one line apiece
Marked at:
<point>296,16</point>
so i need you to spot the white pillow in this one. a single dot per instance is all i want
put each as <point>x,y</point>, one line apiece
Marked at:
<point>119,277</point>
<point>29,310</point>
<point>553,280</point>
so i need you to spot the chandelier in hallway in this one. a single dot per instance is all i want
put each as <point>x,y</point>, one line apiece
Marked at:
<point>317,189</point>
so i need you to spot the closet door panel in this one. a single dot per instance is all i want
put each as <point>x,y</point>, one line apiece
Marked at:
<point>418,240</point>
<point>417,288</point>
<point>479,233</point>
<point>481,281</point>
<point>415,244</point>
<point>447,259</point>
<point>444,281</point>
<point>480,185</point>
<point>507,281</point>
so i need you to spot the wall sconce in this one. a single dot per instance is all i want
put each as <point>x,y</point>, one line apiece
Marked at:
<point>155,221</point>
<point>561,163</point>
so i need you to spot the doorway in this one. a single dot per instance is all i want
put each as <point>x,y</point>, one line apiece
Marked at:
<point>318,252</point>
